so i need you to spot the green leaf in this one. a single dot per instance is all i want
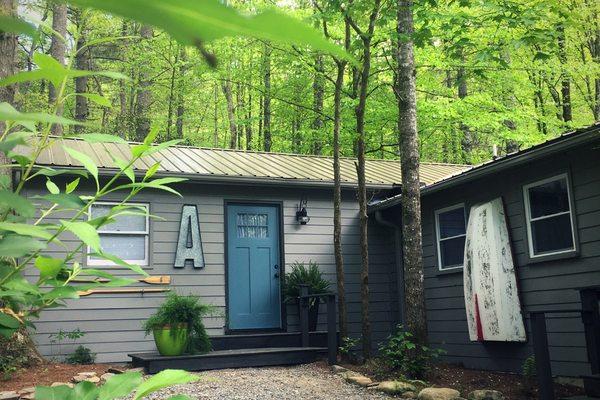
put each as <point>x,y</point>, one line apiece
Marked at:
<point>9,113</point>
<point>66,200</point>
<point>52,393</point>
<point>111,257</point>
<point>151,171</point>
<point>125,167</point>
<point>61,292</point>
<point>162,146</point>
<point>179,397</point>
<point>19,204</point>
<point>74,73</point>
<point>55,71</point>
<point>7,332</point>
<point>8,321</point>
<point>96,98</point>
<point>101,138</point>
<point>49,267</point>
<point>85,160</point>
<point>51,186</point>
<point>47,171</point>
<point>120,385</point>
<point>163,379</point>
<point>84,231</point>
<point>19,246</point>
<point>84,391</point>
<point>71,186</point>
<point>198,22</point>
<point>16,25</point>
<point>26,229</point>
<point>14,139</point>
<point>26,76</point>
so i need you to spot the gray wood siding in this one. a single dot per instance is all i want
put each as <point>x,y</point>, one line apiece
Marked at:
<point>112,323</point>
<point>543,285</point>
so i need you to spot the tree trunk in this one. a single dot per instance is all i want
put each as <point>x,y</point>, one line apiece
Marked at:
<point>180,92</point>
<point>144,96</point>
<point>240,96</point>
<point>565,86</point>
<point>337,196</point>
<point>173,79</point>
<point>58,49</point>
<point>249,121</point>
<point>226,87</point>
<point>122,125</point>
<point>467,136</point>
<point>266,127</point>
<point>405,91</point>
<point>318,91</point>
<point>82,62</point>
<point>216,117</point>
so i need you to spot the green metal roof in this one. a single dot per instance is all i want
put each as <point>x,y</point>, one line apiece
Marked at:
<point>243,166</point>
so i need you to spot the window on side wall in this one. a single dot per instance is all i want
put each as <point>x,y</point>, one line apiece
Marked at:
<point>451,230</point>
<point>126,237</point>
<point>550,228</point>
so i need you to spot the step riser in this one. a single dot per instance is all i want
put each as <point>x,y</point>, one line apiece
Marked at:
<point>591,385</point>
<point>241,361</point>
<point>234,342</point>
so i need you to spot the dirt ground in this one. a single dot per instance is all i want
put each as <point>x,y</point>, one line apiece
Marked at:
<point>465,380</point>
<point>48,373</point>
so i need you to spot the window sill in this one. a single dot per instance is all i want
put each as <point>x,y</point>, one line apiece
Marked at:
<point>449,271</point>
<point>552,257</point>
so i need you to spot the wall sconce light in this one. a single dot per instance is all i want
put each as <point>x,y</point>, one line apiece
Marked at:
<point>301,215</point>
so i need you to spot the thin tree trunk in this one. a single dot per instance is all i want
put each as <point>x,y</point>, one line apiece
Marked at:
<point>467,141</point>
<point>266,128</point>
<point>240,111</point>
<point>82,62</point>
<point>318,92</point>
<point>249,121</point>
<point>122,118</point>
<point>337,192</point>
<point>359,112</point>
<point>416,321</point>
<point>58,49</point>
<point>144,96</point>
<point>216,117</point>
<point>171,91</point>
<point>226,87</point>
<point>180,92</point>
<point>565,87</point>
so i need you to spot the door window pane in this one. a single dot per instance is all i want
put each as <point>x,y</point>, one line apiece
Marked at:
<point>252,225</point>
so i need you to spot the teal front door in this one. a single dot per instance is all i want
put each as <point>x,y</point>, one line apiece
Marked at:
<point>253,270</point>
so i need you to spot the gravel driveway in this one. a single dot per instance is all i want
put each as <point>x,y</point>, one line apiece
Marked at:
<point>302,382</point>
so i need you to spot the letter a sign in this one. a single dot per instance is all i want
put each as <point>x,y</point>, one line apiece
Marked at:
<point>189,245</point>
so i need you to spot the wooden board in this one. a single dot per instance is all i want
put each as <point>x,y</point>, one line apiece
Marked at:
<point>491,293</point>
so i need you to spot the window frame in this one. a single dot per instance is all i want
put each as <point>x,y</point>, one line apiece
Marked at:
<point>439,239</point>
<point>529,220</point>
<point>107,263</point>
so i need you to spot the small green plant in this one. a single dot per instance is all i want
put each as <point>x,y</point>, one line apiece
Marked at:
<point>119,386</point>
<point>301,275</point>
<point>529,373</point>
<point>401,353</point>
<point>82,355</point>
<point>188,310</point>
<point>347,348</point>
<point>60,336</point>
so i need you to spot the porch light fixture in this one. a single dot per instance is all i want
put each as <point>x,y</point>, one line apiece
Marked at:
<point>301,215</point>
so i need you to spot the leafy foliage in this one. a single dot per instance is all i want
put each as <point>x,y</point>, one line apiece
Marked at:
<point>401,353</point>
<point>302,275</point>
<point>188,310</point>
<point>81,355</point>
<point>118,386</point>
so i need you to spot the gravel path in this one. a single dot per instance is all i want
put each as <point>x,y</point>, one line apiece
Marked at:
<point>303,382</point>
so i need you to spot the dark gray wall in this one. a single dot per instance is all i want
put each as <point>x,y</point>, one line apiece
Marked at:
<point>112,323</point>
<point>543,285</point>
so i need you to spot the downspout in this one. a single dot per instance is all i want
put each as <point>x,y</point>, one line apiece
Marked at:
<point>399,265</point>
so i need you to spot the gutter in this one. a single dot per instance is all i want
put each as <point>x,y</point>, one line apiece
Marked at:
<point>557,145</point>
<point>399,264</point>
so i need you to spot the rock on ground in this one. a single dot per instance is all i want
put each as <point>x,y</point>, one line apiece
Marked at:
<point>485,395</point>
<point>439,394</point>
<point>307,382</point>
<point>395,387</point>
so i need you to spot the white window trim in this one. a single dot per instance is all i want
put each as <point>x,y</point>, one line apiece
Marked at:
<point>438,236</point>
<point>107,263</point>
<point>529,220</point>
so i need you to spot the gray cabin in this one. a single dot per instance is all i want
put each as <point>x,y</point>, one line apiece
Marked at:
<point>245,206</point>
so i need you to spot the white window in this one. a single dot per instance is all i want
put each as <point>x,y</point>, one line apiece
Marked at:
<point>549,216</point>
<point>451,231</point>
<point>126,237</point>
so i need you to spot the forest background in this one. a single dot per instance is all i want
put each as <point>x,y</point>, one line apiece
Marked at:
<point>504,73</point>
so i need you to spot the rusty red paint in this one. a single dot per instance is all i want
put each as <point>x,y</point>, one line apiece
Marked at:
<point>478,320</point>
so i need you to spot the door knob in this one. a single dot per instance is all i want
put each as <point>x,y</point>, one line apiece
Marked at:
<point>276,275</point>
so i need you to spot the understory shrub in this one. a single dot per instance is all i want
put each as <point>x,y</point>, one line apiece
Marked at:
<point>402,354</point>
<point>303,275</point>
<point>82,355</point>
<point>189,310</point>
<point>14,354</point>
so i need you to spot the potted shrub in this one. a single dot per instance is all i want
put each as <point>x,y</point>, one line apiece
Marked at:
<point>177,326</point>
<point>311,276</point>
